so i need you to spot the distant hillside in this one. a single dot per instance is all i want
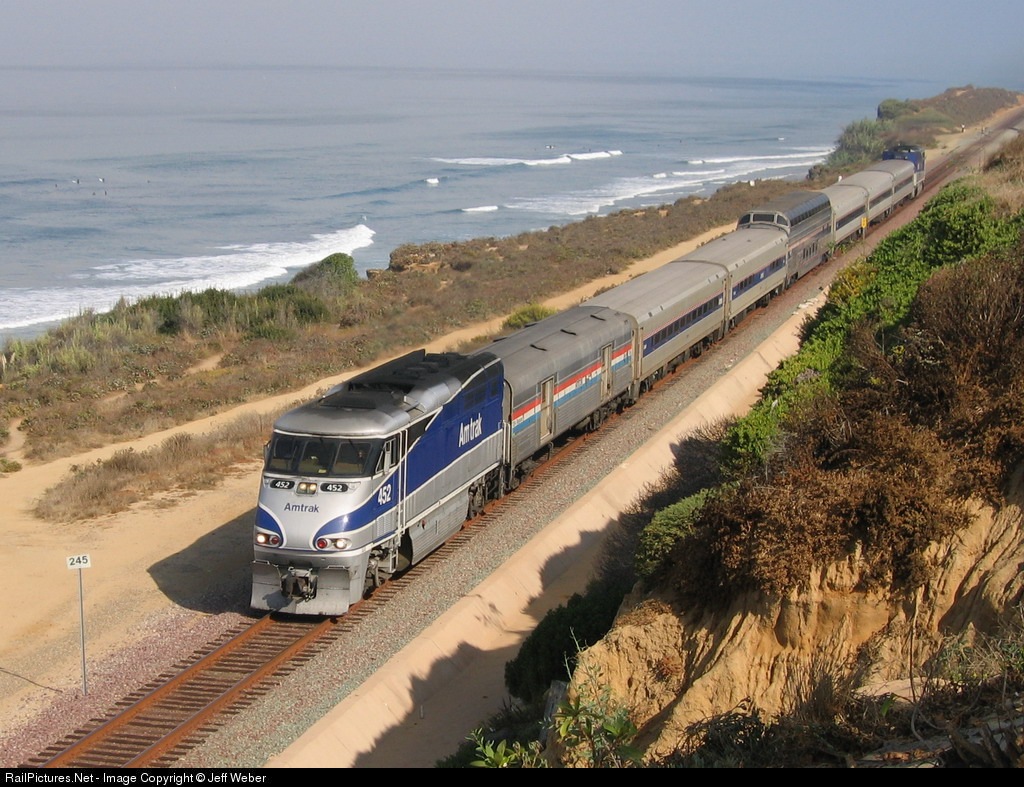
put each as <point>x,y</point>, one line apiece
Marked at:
<point>967,105</point>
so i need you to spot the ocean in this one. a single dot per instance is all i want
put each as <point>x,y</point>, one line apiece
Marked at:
<point>154,181</point>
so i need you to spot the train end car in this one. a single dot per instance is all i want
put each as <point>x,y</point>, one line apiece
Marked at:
<point>369,478</point>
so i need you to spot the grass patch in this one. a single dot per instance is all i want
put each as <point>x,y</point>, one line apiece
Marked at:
<point>182,464</point>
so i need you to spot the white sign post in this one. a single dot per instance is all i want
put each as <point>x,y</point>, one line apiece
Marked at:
<point>80,562</point>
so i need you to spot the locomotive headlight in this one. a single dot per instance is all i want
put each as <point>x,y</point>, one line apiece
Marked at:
<point>306,488</point>
<point>332,543</point>
<point>268,539</point>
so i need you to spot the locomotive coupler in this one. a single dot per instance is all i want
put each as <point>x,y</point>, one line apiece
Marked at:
<point>299,583</point>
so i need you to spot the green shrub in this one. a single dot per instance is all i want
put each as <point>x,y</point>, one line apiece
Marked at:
<point>891,108</point>
<point>270,332</point>
<point>535,312</point>
<point>750,442</point>
<point>960,223</point>
<point>861,140</point>
<point>278,293</point>
<point>335,275</point>
<point>666,528</point>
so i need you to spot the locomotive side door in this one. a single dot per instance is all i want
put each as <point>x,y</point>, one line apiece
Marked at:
<point>391,492</point>
<point>394,453</point>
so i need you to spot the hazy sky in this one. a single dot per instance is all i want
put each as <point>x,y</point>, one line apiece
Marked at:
<point>952,41</point>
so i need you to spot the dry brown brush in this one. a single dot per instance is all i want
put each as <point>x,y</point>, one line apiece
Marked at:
<point>927,417</point>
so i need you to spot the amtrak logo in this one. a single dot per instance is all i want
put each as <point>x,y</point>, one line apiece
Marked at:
<point>469,432</point>
<point>303,507</point>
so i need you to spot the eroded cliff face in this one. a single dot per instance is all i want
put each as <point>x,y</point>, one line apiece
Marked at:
<point>672,667</point>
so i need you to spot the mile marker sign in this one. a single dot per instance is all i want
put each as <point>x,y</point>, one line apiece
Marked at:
<point>80,562</point>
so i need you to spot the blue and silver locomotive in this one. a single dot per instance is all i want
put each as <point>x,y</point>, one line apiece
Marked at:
<point>372,476</point>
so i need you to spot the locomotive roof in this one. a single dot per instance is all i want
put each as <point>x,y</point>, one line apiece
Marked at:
<point>388,397</point>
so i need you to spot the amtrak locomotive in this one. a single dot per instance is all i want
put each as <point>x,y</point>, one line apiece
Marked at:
<point>375,474</point>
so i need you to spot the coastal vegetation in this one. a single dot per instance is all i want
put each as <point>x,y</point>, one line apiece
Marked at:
<point>912,122</point>
<point>161,361</point>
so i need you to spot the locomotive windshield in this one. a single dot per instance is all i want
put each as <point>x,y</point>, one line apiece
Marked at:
<point>330,456</point>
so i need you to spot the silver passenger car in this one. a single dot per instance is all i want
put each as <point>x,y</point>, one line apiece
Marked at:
<point>807,217</point>
<point>869,196</point>
<point>755,262</point>
<point>566,371</point>
<point>677,309</point>
<point>850,200</point>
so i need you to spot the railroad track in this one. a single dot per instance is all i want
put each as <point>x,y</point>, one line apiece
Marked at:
<point>161,721</point>
<point>966,156</point>
<point>165,719</point>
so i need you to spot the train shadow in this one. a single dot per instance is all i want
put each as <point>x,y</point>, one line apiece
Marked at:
<point>212,575</point>
<point>452,693</point>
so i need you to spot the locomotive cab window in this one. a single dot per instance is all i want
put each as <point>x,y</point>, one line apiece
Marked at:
<point>280,452</point>
<point>327,456</point>
<point>315,459</point>
<point>352,458</point>
<point>388,456</point>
